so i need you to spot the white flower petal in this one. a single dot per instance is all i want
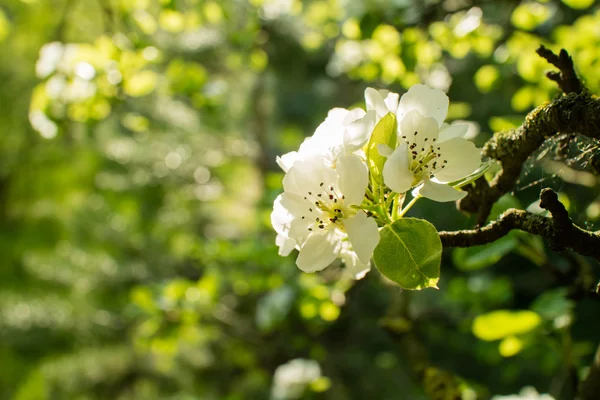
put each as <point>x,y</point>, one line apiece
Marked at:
<point>363,234</point>
<point>353,115</point>
<point>429,102</point>
<point>438,191</point>
<point>328,137</point>
<point>280,217</point>
<point>286,161</point>
<point>353,178</point>
<point>285,244</point>
<point>448,132</point>
<point>384,150</point>
<point>306,175</point>
<point>462,159</point>
<point>396,174</point>
<point>319,250</point>
<point>354,266</point>
<point>357,133</point>
<point>391,101</point>
<point>375,101</point>
<point>418,129</point>
<point>298,208</point>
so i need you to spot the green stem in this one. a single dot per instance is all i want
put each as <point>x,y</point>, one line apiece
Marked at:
<point>408,206</point>
<point>398,200</point>
<point>386,217</point>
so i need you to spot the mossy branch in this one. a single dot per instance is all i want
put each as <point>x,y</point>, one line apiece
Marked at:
<point>576,112</point>
<point>558,229</point>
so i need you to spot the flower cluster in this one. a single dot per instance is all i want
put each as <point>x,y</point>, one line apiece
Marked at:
<point>332,206</point>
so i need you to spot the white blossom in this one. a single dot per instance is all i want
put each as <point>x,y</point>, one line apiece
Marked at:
<point>317,213</point>
<point>527,393</point>
<point>430,153</point>
<point>292,378</point>
<point>343,131</point>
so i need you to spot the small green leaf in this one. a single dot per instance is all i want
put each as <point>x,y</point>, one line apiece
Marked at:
<point>503,323</point>
<point>478,257</point>
<point>409,253</point>
<point>384,133</point>
<point>553,304</point>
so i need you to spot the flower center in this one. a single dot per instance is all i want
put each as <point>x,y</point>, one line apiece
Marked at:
<point>326,208</point>
<point>427,158</point>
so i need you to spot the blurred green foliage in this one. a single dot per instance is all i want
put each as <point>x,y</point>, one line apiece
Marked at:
<point>137,172</point>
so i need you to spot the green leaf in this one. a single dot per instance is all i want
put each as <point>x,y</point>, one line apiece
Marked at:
<point>409,253</point>
<point>553,304</point>
<point>273,308</point>
<point>504,203</point>
<point>478,257</point>
<point>503,323</point>
<point>384,133</point>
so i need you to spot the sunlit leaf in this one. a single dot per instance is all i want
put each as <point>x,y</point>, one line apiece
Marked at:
<point>141,84</point>
<point>578,4</point>
<point>529,15</point>
<point>503,323</point>
<point>384,133</point>
<point>510,346</point>
<point>409,253</point>
<point>486,78</point>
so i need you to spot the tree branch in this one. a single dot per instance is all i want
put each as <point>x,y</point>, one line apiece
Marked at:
<point>566,79</point>
<point>574,113</point>
<point>558,229</point>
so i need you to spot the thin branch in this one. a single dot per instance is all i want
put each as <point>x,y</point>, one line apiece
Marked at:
<point>566,79</point>
<point>559,230</point>
<point>574,113</point>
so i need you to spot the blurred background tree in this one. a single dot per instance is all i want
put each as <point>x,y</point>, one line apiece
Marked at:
<point>137,172</point>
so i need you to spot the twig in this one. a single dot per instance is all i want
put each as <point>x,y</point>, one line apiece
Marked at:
<point>559,230</point>
<point>566,79</point>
